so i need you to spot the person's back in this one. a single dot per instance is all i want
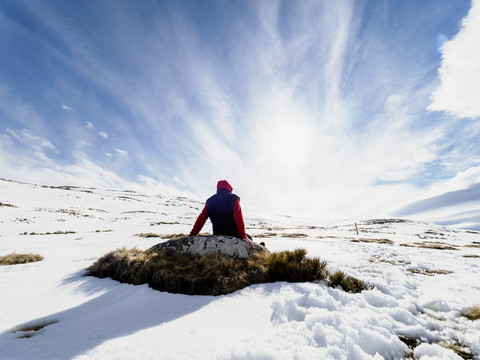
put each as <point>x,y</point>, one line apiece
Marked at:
<point>225,212</point>
<point>220,210</point>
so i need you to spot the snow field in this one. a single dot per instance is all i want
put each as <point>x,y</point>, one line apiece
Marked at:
<point>89,318</point>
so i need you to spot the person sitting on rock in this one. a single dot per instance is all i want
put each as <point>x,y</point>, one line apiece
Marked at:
<point>224,212</point>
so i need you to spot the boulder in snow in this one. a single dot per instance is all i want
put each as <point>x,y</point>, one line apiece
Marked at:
<point>203,245</point>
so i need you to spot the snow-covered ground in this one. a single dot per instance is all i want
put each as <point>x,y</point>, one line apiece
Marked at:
<point>418,292</point>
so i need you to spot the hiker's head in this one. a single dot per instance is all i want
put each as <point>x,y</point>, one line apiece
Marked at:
<point>223,184</point>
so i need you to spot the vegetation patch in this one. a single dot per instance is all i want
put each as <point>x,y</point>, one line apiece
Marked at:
<point>175,272</point>
<point>461,350</point>
<point>385,221</point>
<point>266,235</point>
<point>471,256</point>
<point>436,245</point>
<point>164,223</point>
<point>472,313</point>
<point>296,235</point>
<point>15,259</point>
<point>28,330</point>
<point>7,205</point>
<point>212,274</point>
<point>347,283</point>
<point>149,235</point>
<point>472,245</point>
<point>49,233</point>
<point>295,266</point>
<point>411,342</point>
<point>430,272</point>
<point>377,241</point>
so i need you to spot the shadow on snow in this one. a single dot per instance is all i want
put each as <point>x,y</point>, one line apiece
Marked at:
<point>121,311</point>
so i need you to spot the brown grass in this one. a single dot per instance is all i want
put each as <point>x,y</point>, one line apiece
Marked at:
<point>347,283</point>
<point>472,313</point>
<point>7,205</point>
<point>435,245</point>
<point>29,330</point>
<point>266,235</point>
<point>295,266</point>
<point>377,241</point>
<point>172,271</point>
<point>212,274</point>
<point>430,272</point>
<point>14,259</point>
<point>461,350</point>
<point>295,235</point>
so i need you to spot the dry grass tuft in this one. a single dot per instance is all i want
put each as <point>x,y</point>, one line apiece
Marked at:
<point>472,313</point>
<point>266,235</point>
<point>294,266</point>
<point>28,330</point>
<point>7,205</point>
<point>149,235</point>
<point>14,258</point>
<point>213,274</point>
<point>430,272</point>
<point>377,241</point>
<point>435,245</point>
<point>295,235</point>
<point>175,272</point>
<point>461,350</point>
<point>347,283</point>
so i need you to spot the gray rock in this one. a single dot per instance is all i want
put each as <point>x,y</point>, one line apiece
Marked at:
<point>203,245</point>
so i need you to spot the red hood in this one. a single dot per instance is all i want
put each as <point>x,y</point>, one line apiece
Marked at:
<point>223,184</point>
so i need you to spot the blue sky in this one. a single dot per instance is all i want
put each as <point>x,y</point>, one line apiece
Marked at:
<point>327,109</point>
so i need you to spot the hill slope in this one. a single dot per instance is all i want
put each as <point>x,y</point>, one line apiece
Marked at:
<point>423,276</point>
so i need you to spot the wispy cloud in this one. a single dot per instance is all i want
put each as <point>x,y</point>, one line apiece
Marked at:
<point>121,152</point>
<point>306,107</point>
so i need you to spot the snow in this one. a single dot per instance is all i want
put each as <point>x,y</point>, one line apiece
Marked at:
<point>90,318</point>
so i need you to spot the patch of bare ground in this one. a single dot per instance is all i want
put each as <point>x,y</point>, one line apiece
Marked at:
<point>266,235</point>
<point>15,259</point>
<point>373,241</point>
<point>50,233</point>
<point>436,245</point>
<point>474,245</point>
<point>7,205</point>
<point>164,223</point>
<point>430,272</point>
<point>471,256</point>
<point>472,313</point>
<point>393,260</point>
<point>28,330</point>
<point>460,349</point>
<point>295,235</point>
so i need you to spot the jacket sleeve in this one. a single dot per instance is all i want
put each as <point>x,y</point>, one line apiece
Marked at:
<point>238,218</point>
<point>202,218</point>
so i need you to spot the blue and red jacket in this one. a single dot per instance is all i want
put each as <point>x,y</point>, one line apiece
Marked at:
<point>224,211</point>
